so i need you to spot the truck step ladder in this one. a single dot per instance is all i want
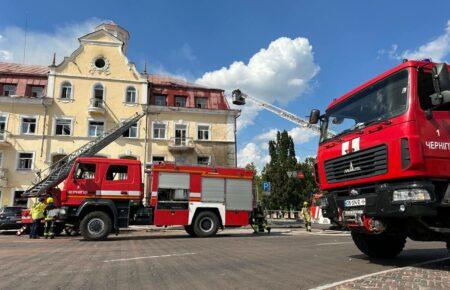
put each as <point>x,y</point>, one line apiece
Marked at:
<point>60,170</point>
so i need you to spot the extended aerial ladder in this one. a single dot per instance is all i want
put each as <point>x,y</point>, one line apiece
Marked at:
<point>240,97</point>
<point>60,170</point>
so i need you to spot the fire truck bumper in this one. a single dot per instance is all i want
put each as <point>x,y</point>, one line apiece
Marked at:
<point>387,200</point>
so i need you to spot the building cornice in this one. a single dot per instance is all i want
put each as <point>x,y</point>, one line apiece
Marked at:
<point>105,79</point>
<point>25,100</point>
<point>162,109</point>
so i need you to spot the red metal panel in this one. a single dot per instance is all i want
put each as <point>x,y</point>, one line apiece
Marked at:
<point>195,182</point>
<point>166,217</point>
<point>179,217</point>
<point>236,218</point>
<point>162,217</point>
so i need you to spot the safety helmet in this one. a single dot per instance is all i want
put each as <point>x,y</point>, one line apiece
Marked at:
<point>305,203</point>
<point>49,199</point>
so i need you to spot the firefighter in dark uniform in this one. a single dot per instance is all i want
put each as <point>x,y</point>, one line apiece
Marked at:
<point>259,221</point>
<point>50,214</point>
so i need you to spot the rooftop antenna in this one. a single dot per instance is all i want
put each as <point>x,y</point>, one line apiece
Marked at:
<point>25,40</point>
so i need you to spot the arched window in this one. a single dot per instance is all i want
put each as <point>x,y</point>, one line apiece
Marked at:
<point>130,96</point>
<point>99,91</point>
<point>66,91</point>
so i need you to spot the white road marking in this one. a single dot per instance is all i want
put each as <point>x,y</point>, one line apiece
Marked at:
<point>327,286</point>
<point>325,233</point>
<point>149,257</point>
<point>336,243</point>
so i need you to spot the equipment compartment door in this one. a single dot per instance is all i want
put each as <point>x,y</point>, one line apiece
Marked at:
<point>173,199</point>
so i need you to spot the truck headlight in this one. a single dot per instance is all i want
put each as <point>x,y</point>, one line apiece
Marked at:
<point>411,194</point>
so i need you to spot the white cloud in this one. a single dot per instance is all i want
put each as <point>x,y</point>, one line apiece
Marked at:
<point>251,152</point>
<point>438,49</point>
<point>279,73</point>
<point>41,45</point>
<point>299,135</point>
<point>257,150</point>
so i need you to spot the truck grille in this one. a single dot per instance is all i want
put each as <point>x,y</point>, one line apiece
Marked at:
<point>364,163</point>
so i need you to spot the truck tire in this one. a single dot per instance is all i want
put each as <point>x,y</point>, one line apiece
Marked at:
<point>190,230</point>
<point>95,226</point>
<point>206,224</point>
<point>380,245</point>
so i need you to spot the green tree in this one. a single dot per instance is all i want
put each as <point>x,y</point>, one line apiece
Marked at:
<point>287,192</point>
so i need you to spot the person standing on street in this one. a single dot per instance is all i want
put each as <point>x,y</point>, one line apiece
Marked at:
<point>37,214</point>
<point>306,216</point>
<point>50,214</point>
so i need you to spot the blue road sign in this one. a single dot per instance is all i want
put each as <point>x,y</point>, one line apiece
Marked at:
<point>266,186</point>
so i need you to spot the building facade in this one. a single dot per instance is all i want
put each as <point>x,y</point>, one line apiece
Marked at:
<point>48,112</point>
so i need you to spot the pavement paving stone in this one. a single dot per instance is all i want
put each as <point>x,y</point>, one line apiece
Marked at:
<point>429,276</point>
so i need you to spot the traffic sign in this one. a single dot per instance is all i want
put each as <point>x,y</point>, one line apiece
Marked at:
<point>266,186</point>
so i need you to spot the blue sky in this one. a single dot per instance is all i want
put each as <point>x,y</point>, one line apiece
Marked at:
<point>339,45</point>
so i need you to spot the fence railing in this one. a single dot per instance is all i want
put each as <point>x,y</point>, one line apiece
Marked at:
<point>181,142</point>
<point>282,214</point>
<point>97,103</point>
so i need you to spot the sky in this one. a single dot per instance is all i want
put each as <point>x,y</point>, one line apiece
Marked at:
<point>298,55</point>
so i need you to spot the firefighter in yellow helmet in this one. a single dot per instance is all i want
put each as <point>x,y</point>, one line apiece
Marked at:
<point>306,216</point>
<point>50,214</point>
<point>37,214</point>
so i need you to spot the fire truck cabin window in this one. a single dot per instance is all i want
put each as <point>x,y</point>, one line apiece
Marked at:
<point>117,172</point>
<point>85,171</point>
<point>381,101</point>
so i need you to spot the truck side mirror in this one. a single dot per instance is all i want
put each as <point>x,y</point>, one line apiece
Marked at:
<point>314,116</point>
<point>441,83</point>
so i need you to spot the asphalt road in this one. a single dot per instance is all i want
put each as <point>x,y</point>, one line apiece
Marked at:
<point>234,259</point>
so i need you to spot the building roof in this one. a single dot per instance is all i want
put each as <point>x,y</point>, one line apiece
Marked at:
<point>161,80</point>
<point>25,69</point>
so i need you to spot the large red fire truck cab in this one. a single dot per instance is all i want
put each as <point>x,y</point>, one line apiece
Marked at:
<point>384,158</point>
<point>101,195</point>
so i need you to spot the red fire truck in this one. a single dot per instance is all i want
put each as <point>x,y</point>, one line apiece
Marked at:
<point>384,158</point>
<point>101,195</point>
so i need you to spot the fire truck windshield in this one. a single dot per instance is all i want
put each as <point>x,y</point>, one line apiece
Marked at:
<point>378,102</point>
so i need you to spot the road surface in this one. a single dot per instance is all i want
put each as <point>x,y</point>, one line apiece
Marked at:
<point>235,259</point>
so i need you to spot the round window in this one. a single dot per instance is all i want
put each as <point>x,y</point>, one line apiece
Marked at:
<point>100,62</point>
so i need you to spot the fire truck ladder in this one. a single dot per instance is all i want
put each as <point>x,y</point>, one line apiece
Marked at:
<point>240,97</point>
<point>60,170</point>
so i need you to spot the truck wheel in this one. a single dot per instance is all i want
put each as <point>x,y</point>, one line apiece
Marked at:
<point>206,224</point>
<point>380,245</point>
<point>95,226</point>
<point>190,230</point>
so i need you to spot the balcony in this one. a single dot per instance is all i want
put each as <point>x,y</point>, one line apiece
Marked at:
<point>97,106</point>
<point>181,144</point>
<point>3,139</point>
<point>3,177</point>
